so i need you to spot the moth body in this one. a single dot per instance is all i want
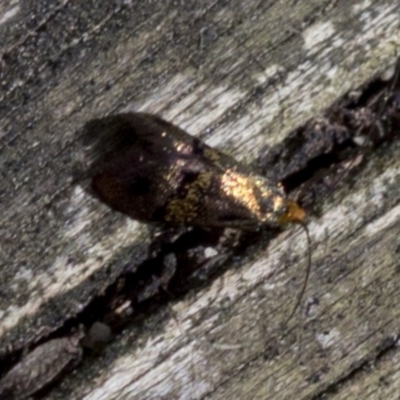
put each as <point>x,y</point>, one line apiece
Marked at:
<point>166,175</point>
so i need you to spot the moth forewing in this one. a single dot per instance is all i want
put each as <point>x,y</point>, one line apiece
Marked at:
<point>166,175</point>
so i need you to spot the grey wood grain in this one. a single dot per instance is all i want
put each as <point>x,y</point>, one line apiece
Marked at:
<point>251,72</point>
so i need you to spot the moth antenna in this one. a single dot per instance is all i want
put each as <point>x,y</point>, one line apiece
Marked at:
<point>305,282</point>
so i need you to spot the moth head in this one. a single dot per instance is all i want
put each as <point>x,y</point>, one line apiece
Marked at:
<point>276,209</point>
<point>293,213</point>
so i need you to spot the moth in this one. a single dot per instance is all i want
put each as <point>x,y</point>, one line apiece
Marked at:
<point>166,175</point>
<point>162,174</point>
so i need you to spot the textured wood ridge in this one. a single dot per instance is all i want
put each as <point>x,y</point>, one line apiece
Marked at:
<point>250,72</point>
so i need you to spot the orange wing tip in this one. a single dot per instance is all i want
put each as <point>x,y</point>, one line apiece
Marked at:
<point>294,213</point>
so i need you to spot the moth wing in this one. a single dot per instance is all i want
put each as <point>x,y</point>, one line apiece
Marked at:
<point>167,175</point>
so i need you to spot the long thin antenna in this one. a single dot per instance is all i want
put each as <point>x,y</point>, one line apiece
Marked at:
<point>305,282</point>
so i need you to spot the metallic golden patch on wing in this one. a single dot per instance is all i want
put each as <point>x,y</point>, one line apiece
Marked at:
<point>184,210</point>
<point>241,188</point>
<point>266,204</point>
<point>279,203</point>
<point>264,189</point>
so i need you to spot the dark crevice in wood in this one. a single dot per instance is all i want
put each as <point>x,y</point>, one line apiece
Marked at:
<point>315,157</point>
<point>308,156</point>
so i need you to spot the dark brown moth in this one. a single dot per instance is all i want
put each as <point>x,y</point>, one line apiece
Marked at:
<point>166,175</point>
<point>162,174</point>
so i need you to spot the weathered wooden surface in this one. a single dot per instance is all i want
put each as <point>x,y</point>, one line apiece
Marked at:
<point>200,66</point>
